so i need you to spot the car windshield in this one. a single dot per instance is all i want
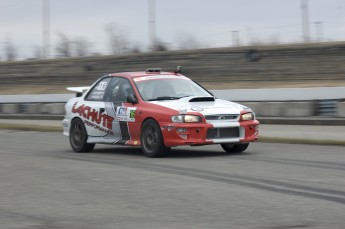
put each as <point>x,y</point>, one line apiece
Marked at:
<point>168,88</point>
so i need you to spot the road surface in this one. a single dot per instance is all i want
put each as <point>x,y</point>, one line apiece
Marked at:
<point>43,184</point>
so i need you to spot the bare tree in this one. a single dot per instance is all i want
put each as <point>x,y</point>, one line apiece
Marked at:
<point>274,40</point>
<point>63,47</point>
<point>160,46</point>
<point>187,41</point>
<point>81,46</point>
<point>37,52</point>
<point>118,40</point>
<point>135,48</point>
<point>10,50</point>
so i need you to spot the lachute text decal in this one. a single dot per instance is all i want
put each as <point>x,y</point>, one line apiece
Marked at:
<point>94,117</point>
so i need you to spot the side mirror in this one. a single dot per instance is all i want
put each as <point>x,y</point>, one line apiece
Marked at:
<point>132,99</point>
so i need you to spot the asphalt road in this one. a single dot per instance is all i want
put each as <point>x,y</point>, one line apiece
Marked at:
<point>45,185</point>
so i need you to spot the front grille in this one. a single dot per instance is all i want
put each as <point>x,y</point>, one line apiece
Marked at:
<point>230,132</point>
<point>221,117</point>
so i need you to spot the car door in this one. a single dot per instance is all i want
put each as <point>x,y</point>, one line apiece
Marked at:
<point>115,105</point>
<point>96,118</point>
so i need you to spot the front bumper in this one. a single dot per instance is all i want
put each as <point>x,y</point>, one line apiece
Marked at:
<point>178,134</point>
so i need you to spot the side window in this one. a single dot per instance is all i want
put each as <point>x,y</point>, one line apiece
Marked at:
<point>98,91</point>
<point>119,89</point>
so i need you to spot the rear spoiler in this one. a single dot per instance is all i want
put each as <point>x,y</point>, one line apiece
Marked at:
<point>79,90</point>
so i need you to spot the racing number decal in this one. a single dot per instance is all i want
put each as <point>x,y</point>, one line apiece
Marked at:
<point>102,86</point>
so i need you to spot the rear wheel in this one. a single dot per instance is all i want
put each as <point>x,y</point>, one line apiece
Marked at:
<point>152,143</point>
<point>237,148</point>
<point>78,137</point>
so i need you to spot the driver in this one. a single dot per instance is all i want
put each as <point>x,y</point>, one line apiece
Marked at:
<point>121,92</point>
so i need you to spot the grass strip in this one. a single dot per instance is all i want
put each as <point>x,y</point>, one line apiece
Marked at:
<point>28,127</point>
<point>301,141</point>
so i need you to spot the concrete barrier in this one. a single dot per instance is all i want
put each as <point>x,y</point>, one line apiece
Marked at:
<point>271,109</point>
<point>281,109</point>
<point>30,108</point>
<point>10,108</point>
<point>341,109</point>
<point>298,109</point>
<point>53,109</point>
<point>33,108</point>
<point>261,109</point>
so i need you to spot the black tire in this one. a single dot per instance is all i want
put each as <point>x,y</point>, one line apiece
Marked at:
<point>152,143</point>
<point>238,148</point>
<point>78,137</point>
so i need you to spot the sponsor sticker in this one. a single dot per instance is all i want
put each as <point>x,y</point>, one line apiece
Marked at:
<point>122,110</point>
<point>94,118</point>
<point>126,114</point>
<point>169,128</point>
<point>132,114</point>
<point>159,77</point>
<point>197,109</point>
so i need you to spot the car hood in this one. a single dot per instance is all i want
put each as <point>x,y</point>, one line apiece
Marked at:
<point>195,104</point>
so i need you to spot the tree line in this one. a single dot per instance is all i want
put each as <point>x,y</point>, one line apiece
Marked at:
<point>117,40</point>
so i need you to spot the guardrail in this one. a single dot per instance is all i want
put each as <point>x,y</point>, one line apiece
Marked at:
<point>289,102</point>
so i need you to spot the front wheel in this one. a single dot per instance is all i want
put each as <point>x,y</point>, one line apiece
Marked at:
<point>152,143</point>
<point>237,148</point>
<point>78,137</point>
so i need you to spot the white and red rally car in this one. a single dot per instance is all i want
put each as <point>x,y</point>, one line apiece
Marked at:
<point>155,110</point>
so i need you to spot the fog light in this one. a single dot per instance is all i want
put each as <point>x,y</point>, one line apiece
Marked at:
<point>256,127</point>
<point>181,130</point>
<point>184,136</point>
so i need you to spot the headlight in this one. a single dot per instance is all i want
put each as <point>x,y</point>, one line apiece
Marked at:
<point>248,116</point>
<point>186,118</point>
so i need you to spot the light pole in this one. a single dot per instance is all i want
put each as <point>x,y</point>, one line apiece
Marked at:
<point>152,24</point>
<point>249,34</point>
<point>319,31</point>
<point>45,29</point>
<point>305,20</point>
<point>235,38</point>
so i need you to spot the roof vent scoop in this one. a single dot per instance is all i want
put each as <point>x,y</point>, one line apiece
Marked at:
<point>178,70</point>
<point>153,70</point>
<point>202,99</point>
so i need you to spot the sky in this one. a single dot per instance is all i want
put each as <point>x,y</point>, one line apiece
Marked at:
<point>209,23</point>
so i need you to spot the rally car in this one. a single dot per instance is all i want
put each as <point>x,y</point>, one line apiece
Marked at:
<point>155,110</point>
